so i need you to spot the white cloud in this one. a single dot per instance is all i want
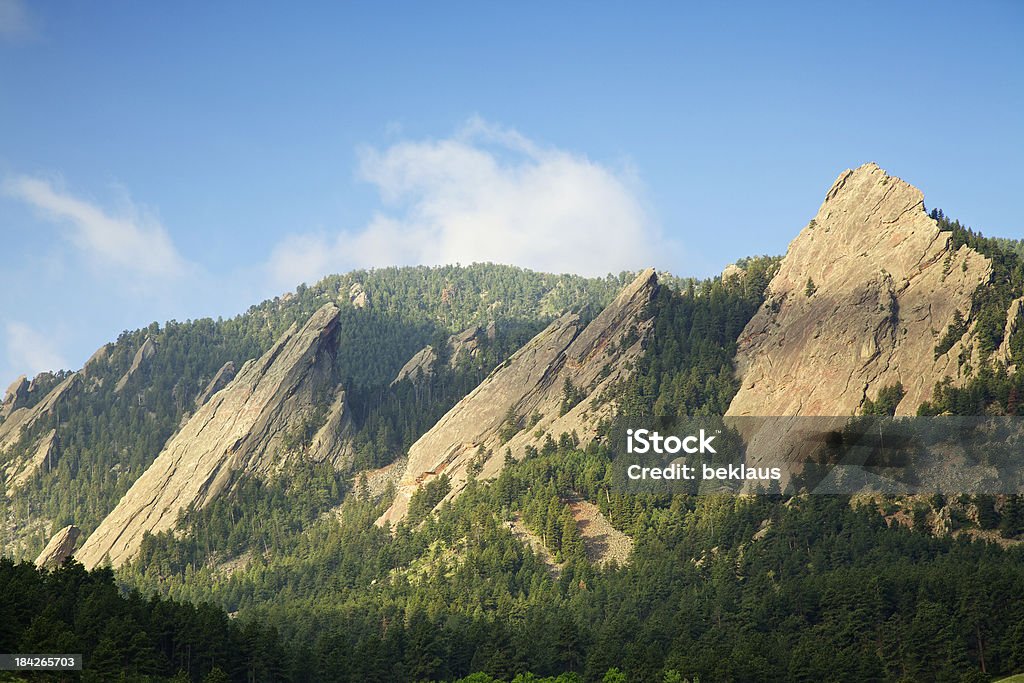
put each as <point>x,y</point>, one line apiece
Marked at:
<point>14,20</point>
<point>485,194</point>
<point>31,351</point>
<point>132,240</point>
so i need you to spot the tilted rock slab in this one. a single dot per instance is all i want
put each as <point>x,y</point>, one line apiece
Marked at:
<point>531,381</point>
<point>240,428</point>
<point>60,547</point>
<point>885,284</point>
<point>19,469</point>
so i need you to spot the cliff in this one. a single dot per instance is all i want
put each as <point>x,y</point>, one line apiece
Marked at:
<point>529,387</point>
<point>241,427</point>
<point>860,302</point>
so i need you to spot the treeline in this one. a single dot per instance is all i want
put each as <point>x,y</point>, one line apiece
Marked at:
<point>128,637</point>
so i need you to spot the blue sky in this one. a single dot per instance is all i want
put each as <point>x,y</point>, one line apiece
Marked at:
<point>190,159</point>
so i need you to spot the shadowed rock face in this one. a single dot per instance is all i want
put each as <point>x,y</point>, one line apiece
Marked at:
<point>220,380</point>
<point>531,382</point>
<point>59,548</point>
<point>860,301</point>
<point>241,427</point>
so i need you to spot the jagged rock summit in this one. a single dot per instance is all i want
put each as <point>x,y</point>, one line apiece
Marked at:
<point>530,384</point>
<point>241,427</point>
<point>860,301</point>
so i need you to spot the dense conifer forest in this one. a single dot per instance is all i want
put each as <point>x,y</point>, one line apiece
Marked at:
<point>718,588</point>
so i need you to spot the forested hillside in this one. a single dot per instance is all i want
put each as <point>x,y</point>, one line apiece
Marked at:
<point>117,420</point>
<point>716,588</point>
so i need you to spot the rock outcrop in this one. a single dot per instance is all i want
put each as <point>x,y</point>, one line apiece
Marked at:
<point>142,355</point>
<point>220,380</point>
<point>332,442</point>
<point>860,302</point>
<point>16,396</point>
<point>460,345</point>
<point>60,548</point>
<point>357,296</point>
<point>98,357</point>
<point>243,427</point>
<point>471,436</point>
<point>19,467</point>
<point>44,456</point>
<point>420,366</point>
<point>1013,316</point>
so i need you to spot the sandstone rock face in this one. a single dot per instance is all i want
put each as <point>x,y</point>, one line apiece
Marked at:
<point>16,396</point>
<point>1013,315</point>
<point>357,296</point>
<point>530,383</point>
<point>420,366</point>
<point>459,345</point>
<point>60,548</point>
<point>333,441</point>
<point>44,456</point>
<point>145,352</point>
<point>243,427</point>
<point>732,270</point>
<point>220,380</point>
<point>861,299</point>
<point>101,354</point>
<point>22,420</point>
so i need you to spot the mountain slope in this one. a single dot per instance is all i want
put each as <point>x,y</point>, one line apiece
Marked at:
<point>243,426</point>
<point>521,402</point>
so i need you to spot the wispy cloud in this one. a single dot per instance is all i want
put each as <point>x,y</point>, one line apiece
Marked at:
<point>131,240</point>
<point>487,193</point>
<point>15,23</point>
<point>31,351</point>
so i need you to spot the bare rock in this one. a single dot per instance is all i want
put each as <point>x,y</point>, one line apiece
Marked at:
<point>44,456</point>
<point>143,354</point>
<point>16,396</point>
<point>530,383</point>
<point>861,299</point>
<point>1013,315</point>
<point>241,428</point>
<point>60,548</point>
<point>101,354</point>
<point>23,419</point>
<point>333,441</point>
<point>732,271</point>
<point>420,366</point>
<point>357,296</point>
<point>465,343</point>
<point>220,380</point>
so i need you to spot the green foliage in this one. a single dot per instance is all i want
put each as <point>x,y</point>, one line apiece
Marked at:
<point>571,396</point>
<point>128,636</point>
<point>108,438</point>
<point>954,332</point>
<point>888,399</point>
<point>810,288</point>
<point>427,497</point>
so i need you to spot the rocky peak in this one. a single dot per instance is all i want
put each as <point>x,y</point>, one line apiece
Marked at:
<point>529,385</point>
<point>242,427</point>
<point>16,396</point>
<point>860,301</point>
<point>143,354</point>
